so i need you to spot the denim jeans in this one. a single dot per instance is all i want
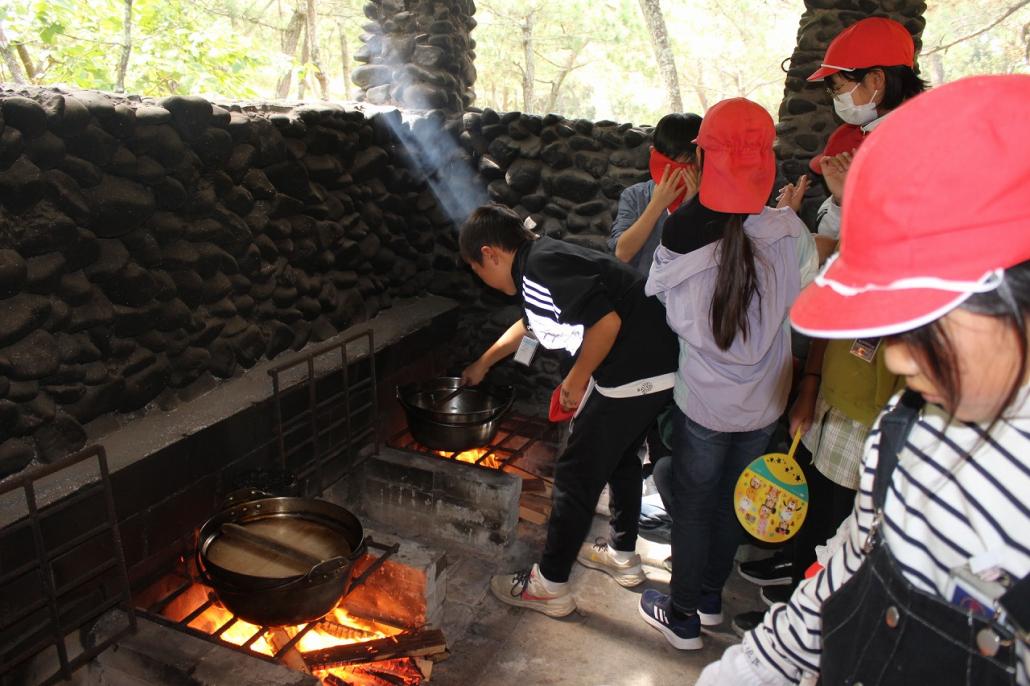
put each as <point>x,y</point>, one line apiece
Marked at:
<point>705,530</point>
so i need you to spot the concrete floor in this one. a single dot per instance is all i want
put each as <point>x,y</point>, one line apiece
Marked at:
<point>606,643</point>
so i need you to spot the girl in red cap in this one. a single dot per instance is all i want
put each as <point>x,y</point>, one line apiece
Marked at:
<point>728,269</point>
<point>928,581</point>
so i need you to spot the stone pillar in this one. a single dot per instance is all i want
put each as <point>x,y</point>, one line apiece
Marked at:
<point>806,116</point>
<point>418,54</point>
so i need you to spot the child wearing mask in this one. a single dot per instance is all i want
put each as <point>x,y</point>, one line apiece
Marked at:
<point>928,580</point>
<point>593,306</point>
<point>644,207</point>
<point>728,270</point>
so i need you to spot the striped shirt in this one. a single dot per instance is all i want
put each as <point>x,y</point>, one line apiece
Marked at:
<point>957,492</point>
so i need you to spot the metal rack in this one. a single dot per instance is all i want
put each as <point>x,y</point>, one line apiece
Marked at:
<point>63,607</point>
<point>322,418</point>
<point>154,610</point>
<point>502,449</point>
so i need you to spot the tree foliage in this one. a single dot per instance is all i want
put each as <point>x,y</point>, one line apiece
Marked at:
<point>581,58</point>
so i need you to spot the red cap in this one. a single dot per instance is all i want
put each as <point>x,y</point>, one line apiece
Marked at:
<point>937,205</point>
<point>846,138</point>
<point>738,163</point>
<point>873,42</point>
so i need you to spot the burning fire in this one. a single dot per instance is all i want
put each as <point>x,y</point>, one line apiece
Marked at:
<point>335,629</point>
<point>473,456</point>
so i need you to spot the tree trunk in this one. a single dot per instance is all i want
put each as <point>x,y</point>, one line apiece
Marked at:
<point>344,62</point>
<point>123,62</point>
<point>9,58</point>
<point>652,10</point>
<point>302,80</point>
<point>529,71</point>
<point>570,64</point>
<point>290,38</point>
<point>323,82</point>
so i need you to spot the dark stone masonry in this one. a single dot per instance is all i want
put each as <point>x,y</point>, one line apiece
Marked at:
<point>148,244</point>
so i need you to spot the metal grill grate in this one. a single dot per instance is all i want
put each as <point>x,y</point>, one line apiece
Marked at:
<point>44,602</point>
<point>322,418</point>
<point>516,439</point>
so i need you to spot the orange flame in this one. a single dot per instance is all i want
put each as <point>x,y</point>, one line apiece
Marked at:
<point>340,628</point>
<point>473,457</point>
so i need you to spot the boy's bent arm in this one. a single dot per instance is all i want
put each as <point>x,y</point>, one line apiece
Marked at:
<point>505,345</point>
<point>597,343</point>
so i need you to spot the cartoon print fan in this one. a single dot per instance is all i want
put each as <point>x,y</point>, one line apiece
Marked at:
<point>771,496</point>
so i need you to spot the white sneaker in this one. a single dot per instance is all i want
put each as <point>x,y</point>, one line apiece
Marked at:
<point>525,589</point>
<point>598,556</point>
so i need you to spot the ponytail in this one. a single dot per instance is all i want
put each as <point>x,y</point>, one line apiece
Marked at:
<point>735,285</point>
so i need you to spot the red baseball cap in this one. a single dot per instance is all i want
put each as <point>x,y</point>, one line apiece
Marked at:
<point>845,138</point>
<point>738,163</point>
<point>937,206</point>
<point>873,42</point>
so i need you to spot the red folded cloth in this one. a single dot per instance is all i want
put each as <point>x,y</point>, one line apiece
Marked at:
<point>557,413</point>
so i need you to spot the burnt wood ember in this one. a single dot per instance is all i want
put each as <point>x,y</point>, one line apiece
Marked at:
<point>427,642</point>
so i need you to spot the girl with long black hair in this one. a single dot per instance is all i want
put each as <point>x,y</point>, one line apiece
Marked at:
<point>728,270</point>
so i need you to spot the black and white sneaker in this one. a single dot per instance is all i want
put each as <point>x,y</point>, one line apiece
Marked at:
<point>772,571</point>
<point>746,621</point>
<point>775,594</point>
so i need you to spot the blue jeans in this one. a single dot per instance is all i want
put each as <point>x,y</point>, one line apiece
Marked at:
<point>705,530</point>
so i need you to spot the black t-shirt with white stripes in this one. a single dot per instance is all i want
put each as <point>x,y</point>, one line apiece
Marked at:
<point>567,288</point>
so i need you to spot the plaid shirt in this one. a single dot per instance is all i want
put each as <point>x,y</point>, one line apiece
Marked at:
<point>835,441</point>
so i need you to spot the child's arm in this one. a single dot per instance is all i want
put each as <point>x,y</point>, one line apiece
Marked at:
<point>597,343</point>
<point>507,344</point>
<point>633,239</point>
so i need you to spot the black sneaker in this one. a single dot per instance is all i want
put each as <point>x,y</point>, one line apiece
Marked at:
<point>772,571</point>
<point>746,621</point>
<point>775,594</point>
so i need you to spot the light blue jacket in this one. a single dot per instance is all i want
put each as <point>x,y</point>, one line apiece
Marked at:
<point>745,387</point>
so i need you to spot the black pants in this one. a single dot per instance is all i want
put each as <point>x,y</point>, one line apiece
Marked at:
<point>602,449</point>
<point>829,504</point>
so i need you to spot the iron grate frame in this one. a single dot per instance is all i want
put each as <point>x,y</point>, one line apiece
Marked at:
<point>57,627</point>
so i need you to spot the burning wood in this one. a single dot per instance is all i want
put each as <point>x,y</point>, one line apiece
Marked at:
<point>422,643</point>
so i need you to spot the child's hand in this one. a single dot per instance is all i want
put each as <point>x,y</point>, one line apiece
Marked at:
<point>571,393</point>
<point>473,374</point>
<point>692,177</point>
<point>792,195</point>
<point>835,171</point>
<point>669,188</point>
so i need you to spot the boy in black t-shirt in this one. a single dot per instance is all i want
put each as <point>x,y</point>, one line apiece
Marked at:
<point>593,306</point>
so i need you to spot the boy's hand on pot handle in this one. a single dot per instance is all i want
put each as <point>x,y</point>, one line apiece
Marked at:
<point>473,374</point>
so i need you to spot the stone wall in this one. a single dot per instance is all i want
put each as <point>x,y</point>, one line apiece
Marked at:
<point>147,244</point>
<point>418,54</point>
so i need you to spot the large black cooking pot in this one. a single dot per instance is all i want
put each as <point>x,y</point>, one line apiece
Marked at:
<point>278,561</point>
<point>441,417</point>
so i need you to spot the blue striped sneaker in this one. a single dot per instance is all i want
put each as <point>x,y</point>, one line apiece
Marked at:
<point>684,634</point>
<point>709,608</point>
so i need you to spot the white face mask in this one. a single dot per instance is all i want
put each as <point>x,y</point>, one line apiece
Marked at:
<point>859,115</point>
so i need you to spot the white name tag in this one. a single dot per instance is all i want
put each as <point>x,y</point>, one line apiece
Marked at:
<point>527,350</point>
